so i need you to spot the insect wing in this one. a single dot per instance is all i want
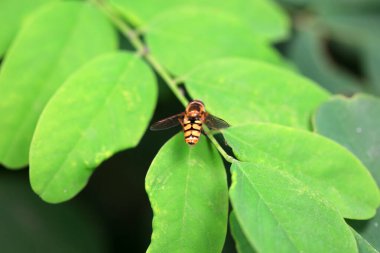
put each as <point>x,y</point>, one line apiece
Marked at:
<point>214,122</point>
<point>166,123</point>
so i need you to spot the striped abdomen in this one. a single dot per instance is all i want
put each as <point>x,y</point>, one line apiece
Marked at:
<point>192,130</point>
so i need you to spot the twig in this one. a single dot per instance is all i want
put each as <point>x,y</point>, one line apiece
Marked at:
<point>141,48</point>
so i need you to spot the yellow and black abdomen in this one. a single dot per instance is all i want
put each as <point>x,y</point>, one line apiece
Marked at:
<point>192,130</point>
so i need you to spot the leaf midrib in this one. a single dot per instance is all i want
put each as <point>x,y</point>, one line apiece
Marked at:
<point>270,210</point>
<point>90,122</point>
<point>185,201</point>
<point>314,179</point>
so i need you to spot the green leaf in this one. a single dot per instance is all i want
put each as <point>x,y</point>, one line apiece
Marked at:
<point>185,37</point>
<point>264,17</point>
<point>343,6</point>
<point>321,164</point>
<point>101,109</point>
<point>279,213</point>
<point>241,241</point>
<point>187,188</point>
<point>52,43</point>
<point>308,51</point>
<point>363,245</point>
<point>354,123</point>
<point>356,29</point>
<point>369,230</point>
<point>30,225</point>
<point>371,63</point>
<point>12,13</point>
<point>242,91</point>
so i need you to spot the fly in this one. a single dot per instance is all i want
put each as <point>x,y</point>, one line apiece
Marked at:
<point>191,121</point>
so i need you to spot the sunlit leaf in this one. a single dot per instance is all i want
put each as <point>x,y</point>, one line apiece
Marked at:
<point>52,43</point>
<point>12,13</point>
<point>279,213</point>
<point>243,91</point>
<point>187,188</point>
<point>321,164</point>
<point>103,108</point>
<point>264,17</point>
<point>185,37</point>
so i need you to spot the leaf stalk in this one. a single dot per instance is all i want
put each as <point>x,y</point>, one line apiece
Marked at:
<point>141,48</point>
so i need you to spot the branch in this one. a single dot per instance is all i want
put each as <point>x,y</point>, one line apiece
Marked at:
<point>141,48</point>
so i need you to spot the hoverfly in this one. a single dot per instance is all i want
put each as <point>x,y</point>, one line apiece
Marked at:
<point>191,120</point>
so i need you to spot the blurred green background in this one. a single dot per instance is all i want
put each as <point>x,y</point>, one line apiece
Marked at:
<point>335,43</point>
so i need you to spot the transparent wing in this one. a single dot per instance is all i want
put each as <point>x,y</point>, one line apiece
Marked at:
<point>214,122</point>
<point>168,122</point>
